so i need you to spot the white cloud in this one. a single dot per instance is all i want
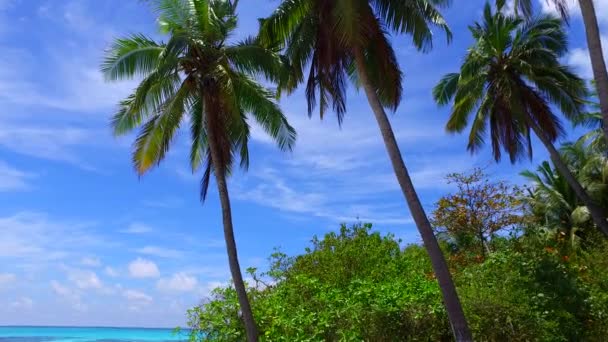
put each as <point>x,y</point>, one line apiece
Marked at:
<point>84,279</point>
<point>22,303</point>
<point>34,236</point>
<point>137,297</point>
<point>7,279</point>
<point>205,290</point>
<point>69,295</point>
<point>160,252</point>
<point>178,282</point>
<point>78,85</point>
<point>601,8</point>
<point>142,268</point>
<point>90,261</point>
<point>12,179</point>
<point>579,58</point>
<point>168,202</point>
<point>137,228</point>
<point>51,143</point>
<point>110,272</point>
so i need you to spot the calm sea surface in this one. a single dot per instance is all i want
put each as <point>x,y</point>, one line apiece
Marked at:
<point>66,334</point>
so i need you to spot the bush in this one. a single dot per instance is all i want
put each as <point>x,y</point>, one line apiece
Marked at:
<point>356,285</point>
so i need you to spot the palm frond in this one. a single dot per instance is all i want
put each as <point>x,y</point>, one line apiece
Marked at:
<point>136,55</point>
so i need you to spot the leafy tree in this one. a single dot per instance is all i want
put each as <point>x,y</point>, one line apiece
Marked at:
<point>509,79</point>
<point>350,285</point>
<point>478,210</point>
<point>594,42</point>
<point>199,75</point>
<point>348,38</point>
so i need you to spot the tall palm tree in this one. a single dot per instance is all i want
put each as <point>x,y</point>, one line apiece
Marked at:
<point>348,38</point>
<point>508,80</point>
<point>197,76</point>
<point>594,43</point>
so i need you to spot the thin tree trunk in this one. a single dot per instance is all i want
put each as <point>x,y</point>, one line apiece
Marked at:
<point>456,316</point>
<point>233,260</point>
<point>598,63</point>
<point>596,212</point>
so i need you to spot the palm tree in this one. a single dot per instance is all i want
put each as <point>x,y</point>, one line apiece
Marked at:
<point>553,201</point>
<point>508,80</point>
<point>348,38</point>
<point>593,120</point>
<point>555,205</point>
<point>595,137</point>
<point>594,43</point>
<point>591,168</point>
<point>197,76</point>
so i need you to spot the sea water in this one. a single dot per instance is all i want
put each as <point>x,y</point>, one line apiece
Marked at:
<point>78,334</point>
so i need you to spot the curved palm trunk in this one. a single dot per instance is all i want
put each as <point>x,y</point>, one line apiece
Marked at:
<point>456,316</point>
<point>599,218</point>
<point>233,260</point>
<point>598,63</point>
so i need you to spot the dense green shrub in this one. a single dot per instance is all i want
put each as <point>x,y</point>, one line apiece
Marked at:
<point>356,285</point>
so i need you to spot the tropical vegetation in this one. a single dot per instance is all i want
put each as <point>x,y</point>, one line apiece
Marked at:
<point>338,40</point>
<point>509,79</point>
<point>198,75</point>
<point>530,282</point>
<point>594,43</point>
<point>498,262</point>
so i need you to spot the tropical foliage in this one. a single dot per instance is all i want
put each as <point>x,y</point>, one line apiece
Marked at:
<point>510,78</point>
<point>200,78</point>
<point>338,40</point>
<point>543,277</point>
<point>594,43</point>
<point>358,285</point>
<point>528,264</point>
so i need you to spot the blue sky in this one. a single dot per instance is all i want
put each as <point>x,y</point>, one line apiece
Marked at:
<point>83,241</point>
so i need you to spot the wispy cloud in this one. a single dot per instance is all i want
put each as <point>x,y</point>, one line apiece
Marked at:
<point>12,179</point>
<point>167,202</point>
<point>579,57</point>
<point>601,8</point>
<point>78,86</point>
<point>91,261</point>
<point>34,236</point>
<point>84,279</point>
<point>162,252</point>
<point>110,272</point>
<point>7,279</point>
<point>22,303</point>
<point>137,300</point>
<point>137,228</point>
<point>48,142</point>
<point>178,282</point>
<point>69,295</point>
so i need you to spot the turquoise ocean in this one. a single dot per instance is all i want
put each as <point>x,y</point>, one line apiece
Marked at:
<point>78,334</point>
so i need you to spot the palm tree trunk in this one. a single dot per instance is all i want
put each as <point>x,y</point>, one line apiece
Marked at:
<point>598,63</point>
<point>456,316</point>
<point>233,260</point>
<point>596,212</point>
